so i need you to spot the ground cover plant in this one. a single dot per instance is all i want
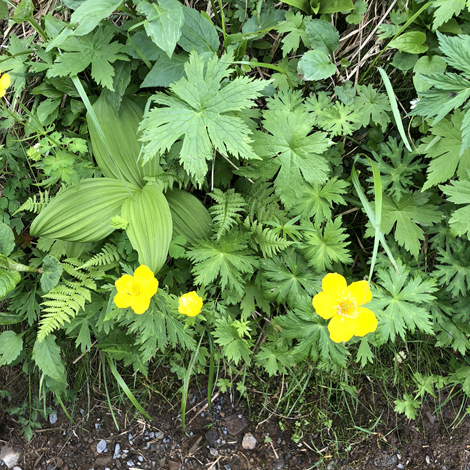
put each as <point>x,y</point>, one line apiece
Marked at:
<point>229,189</point>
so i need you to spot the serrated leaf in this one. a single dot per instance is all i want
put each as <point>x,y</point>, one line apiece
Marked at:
<point>372,107</point>
<point>315,65</point>
<point>46,354</point>
<point>166,71</point>
<point>427,65</point>
<point>444,10</point>
<point>204,114</point>
<point>8,281</point>
<point>295,27</point>
<point>323,36</point>
<point>409,406</point>
<point>95,49</point>
<point>412,42</point>
<point>456,50</point>
<point>163,23</point>
<point>52,272</point>
<point>23,12</point>
<point>11,346</point>
<point>7,240</point>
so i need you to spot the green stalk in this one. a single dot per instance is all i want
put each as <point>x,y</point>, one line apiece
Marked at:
<point>108,399</point>
<point>210,381</point>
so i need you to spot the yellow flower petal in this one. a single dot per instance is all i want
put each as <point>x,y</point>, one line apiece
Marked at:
<point>140,304</point>
<point>361,292</point>
<point>334,284</point>
<point>324,305</point>
<point>4,81</point>
<point>123,300</point>
<point>190,304</point>
<point>143,273</point>
<point>365,322</point>
<point>150,287</point>
<point>341,328</point>
<point>124,283</point>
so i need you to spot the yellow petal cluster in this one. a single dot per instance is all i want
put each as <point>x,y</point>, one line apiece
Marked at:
<point>136,291</point>
<point>4,83</point>
<point>343,304</point>
<point>190,304</point>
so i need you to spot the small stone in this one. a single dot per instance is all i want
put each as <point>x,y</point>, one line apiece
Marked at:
<point>234,425</point>
<point>130,463</point>
<point>228,466</point>
<point>53,418</point>
<point>16,468</point>
<point>9,456</point>
<point>173,465</point>
<point>213,452</point>
<point>391,461</point>
<point>103,461</point>
<point>101,446</point>
<point>249,442</point>
<point>116,451</point>
<point>194,443</point>
<point>141,459</point>
<point>431,418</point>
<point>401,466</point>
<point>211,437</point>
<point>279,465</point>
<point>151,435</point>
<point>428,460</point>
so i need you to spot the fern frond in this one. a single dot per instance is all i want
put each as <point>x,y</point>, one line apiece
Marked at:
<point>225,213</point>
<point>35,203</point>
<point>108,254</point>
<point>269,242</point>
<point>65,301</point>
<point>263,204</point>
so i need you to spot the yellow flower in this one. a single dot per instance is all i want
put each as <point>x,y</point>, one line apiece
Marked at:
<point>190,304</point>
<point>343,305</point>
<point>136,291</point>
<point>4,84</point>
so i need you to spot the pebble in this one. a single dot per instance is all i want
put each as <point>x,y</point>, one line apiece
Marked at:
<point>9,456</point>
<point>53,418</point>
<point>141,459</point>
<point>116,451</point>
<point>249,442</point>
<point>101,446</point>
<point>279,465</point>
<point>130,463</point>
<point>16,468</point>
<point>391,460</point>
<point>401,466</point>
<point>213,452</point>
<point>431,418</point>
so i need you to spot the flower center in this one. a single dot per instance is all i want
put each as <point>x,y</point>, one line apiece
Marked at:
<point>136,288</point>
<point>347,307</point>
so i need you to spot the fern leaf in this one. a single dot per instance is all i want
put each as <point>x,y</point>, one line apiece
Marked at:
<point>269,242</point>
<point>263,203</point>
<point>108,254</point>
<point>35,203</point>
<point>225,213</point>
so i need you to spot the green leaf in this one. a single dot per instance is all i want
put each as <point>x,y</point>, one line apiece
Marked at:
<point>453,268</point>
<point>24,11</point>
<point>11,346</point>
<point>326,246</point>
<point>204,114</point>
<point>288,279</point>
<point>295,27</point>
<point>166,71</point>
<point>444,10</point>
<point>409,406</point>
<point>459,193</point>
<point>52,272</point>
<point>443,146</point>
<point>8,281</point>
<point>456,50</point>
<point>315,65</point>
<point>3,10</point>
<point>356,15</point>
<point>95,49</point>
<point>46,109</point>
<point>407,213</point>
<point>335,6</point>
<point>427,65</point>
<point>46,355</point>
<point>89,14</point>
<point>323,36</point>
<point>364,353</point>
<point>402,304</point>
<point>198,33</point>
<point>297,151</point>
<point>163,23</point>
<point>228,258</point>
<point>372,107</point>
<point>235,348</point>
<point>412,42</point>
<point>7,240</point>
<point>303,5</point>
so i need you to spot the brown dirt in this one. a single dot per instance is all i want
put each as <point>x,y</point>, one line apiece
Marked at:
<point>427,443</point>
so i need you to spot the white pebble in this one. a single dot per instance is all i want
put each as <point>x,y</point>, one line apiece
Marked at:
<point>101,446</point>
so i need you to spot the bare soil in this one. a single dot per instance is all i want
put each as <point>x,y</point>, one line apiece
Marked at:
<point>214,438</point>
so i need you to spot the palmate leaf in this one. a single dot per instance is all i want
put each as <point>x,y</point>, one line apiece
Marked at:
<point>228,258</point>
<point>203,113</point>
<point>402,303</point>
<point>235,348</point>
<point>459,193</point>
<point>96,49</point>
<point>296,150</point>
